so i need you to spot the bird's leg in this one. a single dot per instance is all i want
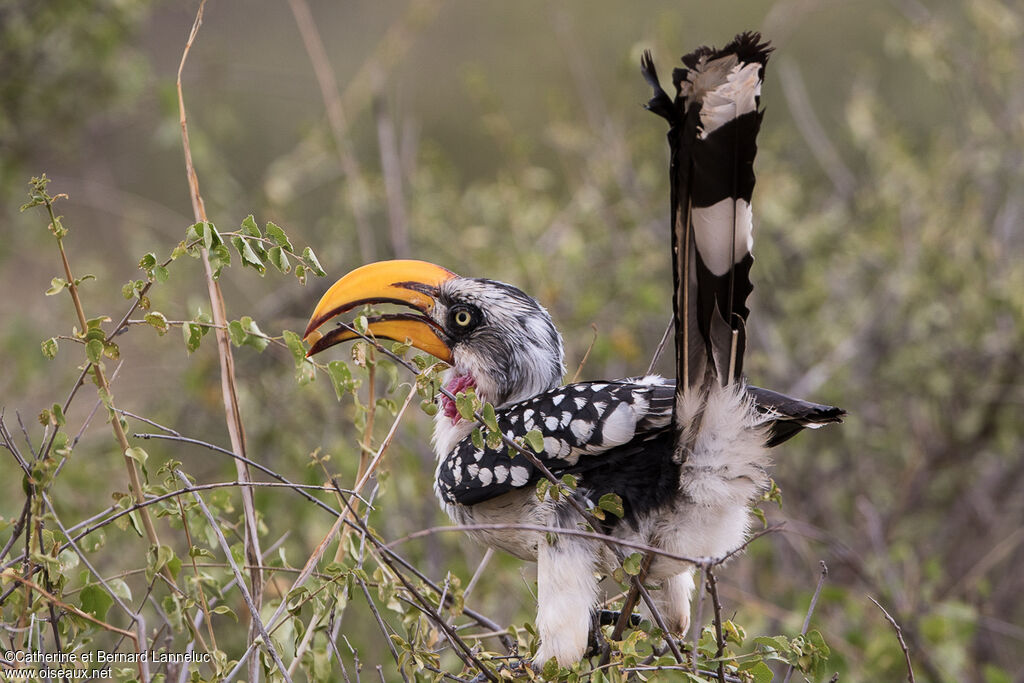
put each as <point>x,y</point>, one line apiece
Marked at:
<point>566,593</point>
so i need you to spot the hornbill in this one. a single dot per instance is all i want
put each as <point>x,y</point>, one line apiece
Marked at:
<point>685,457</point>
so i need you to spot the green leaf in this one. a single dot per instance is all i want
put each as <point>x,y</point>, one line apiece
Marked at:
<point>311,260</point>
<point>224,609</point>
<point>250,228</point>
<point>305,373</point>
<point>464,404</point>
<point>477,438</point>
<point>94,350</point>
<point>429,407</point>
<point>776,643</point>
<point>535,439</point>
<point>84,278</point>
<point>137,454</point>
<point>341,378</point>
<point>254,335</point>
<point>160,273</point>
<point>760,672</point>
<point>296,346</point>
<point>632,564</point>
<point>119,588</point>
<point>490,419</point>
<point>148,261</point>
<point>50,348</point>
<point>193,334</point>
<point>247,254</point>
<point>542,488</point>
<point>220,258</point>
<point>211,238</point>
<point>159,557</point>
<point>57,286</point>
<point>550,670</point>
<point>278,235</point>
<point>95,601</point>
<point>612,503</point>
<point>58,415</point>
<point>158,321</point>
<point>277,256</point>
<point>68,560</point>
<point>236,332</point>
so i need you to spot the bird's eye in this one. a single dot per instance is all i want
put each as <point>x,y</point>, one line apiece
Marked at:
<point>463,318</point>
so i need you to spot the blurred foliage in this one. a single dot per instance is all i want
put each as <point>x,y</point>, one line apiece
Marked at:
<point>889,280</point>
<point>63,62</point>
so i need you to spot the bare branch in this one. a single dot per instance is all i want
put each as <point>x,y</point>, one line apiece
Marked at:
<point>233,414</point>
<point>899,637</point>
<point>253,609</point>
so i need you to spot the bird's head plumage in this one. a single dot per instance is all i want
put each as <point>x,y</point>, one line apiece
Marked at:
<point>494,336</point>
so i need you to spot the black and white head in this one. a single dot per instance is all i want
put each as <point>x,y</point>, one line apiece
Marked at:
<point>494,336</point>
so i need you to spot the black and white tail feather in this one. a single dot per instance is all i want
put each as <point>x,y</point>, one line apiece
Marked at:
<point>714,120</point>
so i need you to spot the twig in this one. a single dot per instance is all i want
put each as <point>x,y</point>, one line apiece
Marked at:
<point>54,600</point>
<point>355,182</point>
<point>586,354</point>
<point>899,637</point>
<point>383,627</point>
<point>661,345</point>
<point>719,638</point>
<point>459,646</point>
<point>697,627</point>
<point>233,415</point>
<point>391,169</point>
<point>253,610</point>
<point>810,611</point>
<point>266,470</point>
<point>620,542</point>
<point>478,573</point>
<point>102,384</point>
<point>627,606</point>
<point>307,570</point>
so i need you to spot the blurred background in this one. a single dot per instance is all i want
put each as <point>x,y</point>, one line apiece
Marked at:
<point>508,140</point>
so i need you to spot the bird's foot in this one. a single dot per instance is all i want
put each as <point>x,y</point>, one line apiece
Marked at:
<point>605,617</point>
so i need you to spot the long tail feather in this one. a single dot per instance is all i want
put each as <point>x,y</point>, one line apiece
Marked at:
<point>714,121</point>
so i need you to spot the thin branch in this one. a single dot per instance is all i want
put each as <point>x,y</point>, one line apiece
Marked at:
<point>229,392</point>
<point>354,179</point>
<point>719,637</point>
<point>383,627</point>
<point>391,169</point>
<point>461,649</point>
<point>586,354</point>
<point>661,345</point>
<point>628,604</point>
<point>253,610</point>
<point>899,637</point>
<point>54,600</point>
<point>810,611</point>
<point>266,470</point>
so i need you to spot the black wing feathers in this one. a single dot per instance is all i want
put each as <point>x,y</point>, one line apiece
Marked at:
<point>576,422</point>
